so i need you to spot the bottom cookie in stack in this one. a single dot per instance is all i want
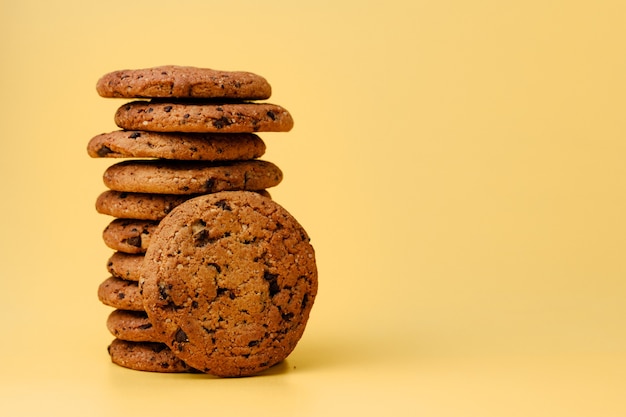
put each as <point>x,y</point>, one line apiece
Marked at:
<point>146,356</point>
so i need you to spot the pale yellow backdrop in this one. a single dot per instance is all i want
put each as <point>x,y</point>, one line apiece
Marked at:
<point>458,164</point>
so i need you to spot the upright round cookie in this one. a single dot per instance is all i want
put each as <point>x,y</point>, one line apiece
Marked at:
<point>172,81</point>
<point>228,282</point>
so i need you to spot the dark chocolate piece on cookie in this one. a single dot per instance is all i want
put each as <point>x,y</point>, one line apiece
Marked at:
<point>129,235</point>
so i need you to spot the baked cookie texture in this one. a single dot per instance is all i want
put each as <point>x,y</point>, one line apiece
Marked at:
<point>172,81</point>
<point>146,356</point>
<point>179,146</point>
<point>133,326</point>
<point>228,282</point>
<point>158,116</point>
<point>208,274</point>
<point>129,235</point>
<point>121,294</point>
<point>143,206</point>
<point>178,177</point>
<point>125,265</point>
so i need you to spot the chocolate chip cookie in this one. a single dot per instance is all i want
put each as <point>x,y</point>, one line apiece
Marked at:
<point>228,282</point>
<point>174,81</point>
<point>158,116</point>
<point>129,235</point>
<point>120,293</point>
<point>186,177</point>
<point>125,265</point>
<point>146,356</point>
<point>181,146</point>
<point>133,326</point>
<point>143,206</point>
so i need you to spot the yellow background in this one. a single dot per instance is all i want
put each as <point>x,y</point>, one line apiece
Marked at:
<point>458,164</point>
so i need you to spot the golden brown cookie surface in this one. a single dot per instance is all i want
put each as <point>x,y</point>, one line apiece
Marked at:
<point>141,206</point>
<point>173,81</point>
<point>181,146</point>
<point>229,281</point>
<point>187,177</point>
<point>146,356</point>
<point>120,293</point>
<point>133,326</point>
<point>158,116</point>
<point>125,265</point>
<point>129,235</point>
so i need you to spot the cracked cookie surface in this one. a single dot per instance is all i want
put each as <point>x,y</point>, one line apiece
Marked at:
<point>229,281</point>
<point>176,81</point>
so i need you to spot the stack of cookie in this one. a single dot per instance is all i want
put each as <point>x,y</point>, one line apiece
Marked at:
<point>208,273</point>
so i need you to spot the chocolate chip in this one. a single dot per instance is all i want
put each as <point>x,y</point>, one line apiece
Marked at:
<point>158,347</point>
<point>221,122</point>
<point>134,241</point>
<point>181,336</point>
<point>163,293</point>
<point>287,316</point>
<point>121,296</point>
<point>223,204</point>
<point>209,184</point>
<point>104,151</point>
<point>134,135</point>
<point>253,343</point>
<point>167,109</point>
<point>272,279</point>
<point>145,326</point>
<point>200,233</point>
<point>271,115</point>
<point>269,276</point>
